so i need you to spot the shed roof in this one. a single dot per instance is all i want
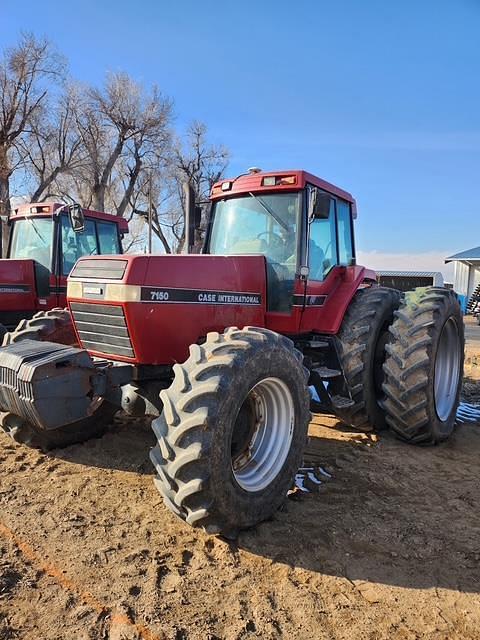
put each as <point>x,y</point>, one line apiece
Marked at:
<point>471,255</point>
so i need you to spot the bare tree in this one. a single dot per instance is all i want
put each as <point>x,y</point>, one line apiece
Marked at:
<point>157,187</point>
<point>110,147</point>
<point>193,160</point>
<point>135,240</point>
<point>121,127</point>
<point>200,162</point>
<point>52,147</point>
<point>25,74</point>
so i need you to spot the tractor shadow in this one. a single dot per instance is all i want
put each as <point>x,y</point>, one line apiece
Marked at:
<point>124,447</point>
<point>391,514</point>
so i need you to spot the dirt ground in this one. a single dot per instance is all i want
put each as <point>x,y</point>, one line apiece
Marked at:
<point>388,547</point>
<point>472,333</point>
<point>472,351</point>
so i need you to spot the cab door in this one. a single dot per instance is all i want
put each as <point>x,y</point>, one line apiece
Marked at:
<point>330,260</point>
<point>71,247</point>
<point>98,237</point>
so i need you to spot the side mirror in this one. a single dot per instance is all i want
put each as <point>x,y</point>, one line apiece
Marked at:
<point>319,205</point>
<point>77,219</point>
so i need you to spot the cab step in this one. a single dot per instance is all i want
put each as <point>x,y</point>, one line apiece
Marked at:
<point>318,344</point>
<point>326,374</point>
<point>340,402</point>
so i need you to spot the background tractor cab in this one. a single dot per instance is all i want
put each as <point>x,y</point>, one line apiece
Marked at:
<point>46,240</point>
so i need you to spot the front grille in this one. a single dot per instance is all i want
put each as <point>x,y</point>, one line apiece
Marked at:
<point>102,328</point>
<point>98,268</point>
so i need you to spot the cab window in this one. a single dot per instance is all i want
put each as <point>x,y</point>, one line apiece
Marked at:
<point>322,245</point>
<point>344,226</point>
<point>33,238</point>
<point>108,237</point>
<point>253,224</point>
<point>261,224</point>
<point>76,245</point>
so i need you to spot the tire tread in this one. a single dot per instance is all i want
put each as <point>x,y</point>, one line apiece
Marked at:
<point>407,367</point>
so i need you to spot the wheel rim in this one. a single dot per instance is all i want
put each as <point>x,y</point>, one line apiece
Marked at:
<point>447,369</point>
<point>262,434</point>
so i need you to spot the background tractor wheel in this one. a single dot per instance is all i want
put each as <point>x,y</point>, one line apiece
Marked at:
<point>48,326</point>
<point>424,366</point>
<point>363,337</point>
<point>233,430</point>
<point>92,427</point>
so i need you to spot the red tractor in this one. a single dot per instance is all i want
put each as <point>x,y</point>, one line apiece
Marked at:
<point>158,336</point>
<point>46,240</point>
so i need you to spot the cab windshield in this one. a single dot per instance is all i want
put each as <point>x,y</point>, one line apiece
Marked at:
<point>253,224</point>
<point>261,224</point>
<point>33,238</point>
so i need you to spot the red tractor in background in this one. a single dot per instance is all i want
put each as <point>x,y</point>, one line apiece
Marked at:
<point>158,336</point>
<point>46,240</point>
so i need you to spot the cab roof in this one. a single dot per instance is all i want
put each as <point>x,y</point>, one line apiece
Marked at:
<point>285,180</point>
<point>47,209</point>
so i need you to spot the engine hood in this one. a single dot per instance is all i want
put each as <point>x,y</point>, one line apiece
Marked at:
<point>151,308</point>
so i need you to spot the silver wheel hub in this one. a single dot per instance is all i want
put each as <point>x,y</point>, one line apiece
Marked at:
<point>447,369</point>
<point>264,431</point>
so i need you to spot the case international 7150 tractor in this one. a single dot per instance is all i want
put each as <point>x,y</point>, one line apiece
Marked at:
<point>46,240</point>
<point>158,336</point>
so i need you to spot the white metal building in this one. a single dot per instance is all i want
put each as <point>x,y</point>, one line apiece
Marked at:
<point>467,273</point>
<point>407,280</point>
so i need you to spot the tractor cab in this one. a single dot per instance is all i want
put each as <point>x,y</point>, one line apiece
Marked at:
<point>300,223</point>
<point>46,240</point>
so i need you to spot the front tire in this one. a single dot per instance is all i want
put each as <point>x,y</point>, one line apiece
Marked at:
<point>424,366</point>
<point>233,430</point>
<point>47,326</point>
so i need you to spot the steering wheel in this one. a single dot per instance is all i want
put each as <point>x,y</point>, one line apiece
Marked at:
<point>277,239</point>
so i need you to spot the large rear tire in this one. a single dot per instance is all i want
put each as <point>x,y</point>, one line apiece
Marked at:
<point>48,326</point>
<point>424,366</point>
<point>233,430</point>
<point>362,338</point>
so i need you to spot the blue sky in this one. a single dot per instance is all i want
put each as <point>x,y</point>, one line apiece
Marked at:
<point>381,98</point>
